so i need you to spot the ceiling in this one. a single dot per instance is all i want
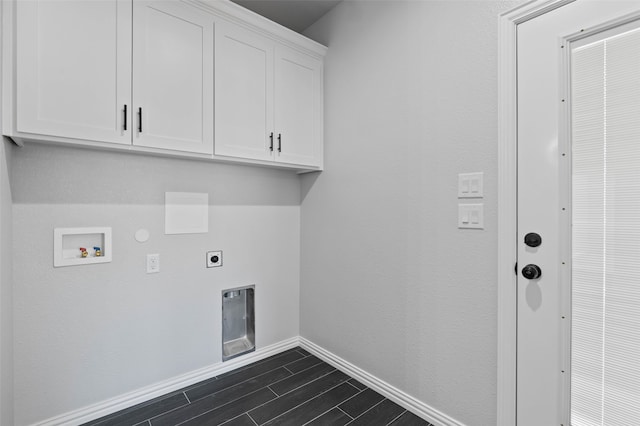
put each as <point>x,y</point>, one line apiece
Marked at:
<point>297,15</point>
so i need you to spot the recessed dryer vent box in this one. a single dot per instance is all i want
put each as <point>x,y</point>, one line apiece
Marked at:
<point>68,242</point>
<point>238,322</point>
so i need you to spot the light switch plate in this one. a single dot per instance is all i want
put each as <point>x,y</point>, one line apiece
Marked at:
<point>471,185</point>
<point>471,216</point>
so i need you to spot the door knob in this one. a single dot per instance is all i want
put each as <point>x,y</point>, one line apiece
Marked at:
<point>531,272</point>
<point>532,239</point>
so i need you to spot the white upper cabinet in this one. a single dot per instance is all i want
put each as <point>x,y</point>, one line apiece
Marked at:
<point>243,93</point>
<point>74,72</point>
<point>298,107</point>
<point>198,78</point>
<point>172,77</point>
<point>268,99</point>
<point>73,69</point>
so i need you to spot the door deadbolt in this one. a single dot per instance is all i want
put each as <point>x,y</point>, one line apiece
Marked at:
<point>532,239</point>
<point>531,272</point>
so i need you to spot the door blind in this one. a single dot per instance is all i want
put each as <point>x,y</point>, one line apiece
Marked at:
<point>605,340</point>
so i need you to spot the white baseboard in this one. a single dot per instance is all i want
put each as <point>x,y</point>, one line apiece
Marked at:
<point>390,392</point>
<point>147,393</point>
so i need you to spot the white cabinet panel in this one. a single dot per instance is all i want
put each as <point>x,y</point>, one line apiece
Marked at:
<point>173,77</point>
<point>243,93</point>
<point>298,107</point>
<point>268,99</point>
<point>73,68</point>
<point>139,75</point>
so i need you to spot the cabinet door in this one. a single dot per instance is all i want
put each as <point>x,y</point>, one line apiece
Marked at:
<point>172,77</point>
<point>73,70</point>
<point>244,93</point>
<point>298,107</point>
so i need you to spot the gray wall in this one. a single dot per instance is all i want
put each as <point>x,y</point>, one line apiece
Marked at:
<point>6,288</point>
<point>87,333</point>
<point>388,282</point>
<point>6,274</point>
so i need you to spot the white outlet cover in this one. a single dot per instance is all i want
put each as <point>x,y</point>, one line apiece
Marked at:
<point>153,263</point>
<point>210,259</point>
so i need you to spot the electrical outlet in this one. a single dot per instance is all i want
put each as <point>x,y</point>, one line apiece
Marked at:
<point>214,259</point>
<point>153,263</point>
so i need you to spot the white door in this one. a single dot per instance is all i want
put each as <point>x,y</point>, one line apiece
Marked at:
<point>172,77</point>
<point>243,94</point>
<point>73,75</point>
<point>298,107</point>
<point>551,192</point>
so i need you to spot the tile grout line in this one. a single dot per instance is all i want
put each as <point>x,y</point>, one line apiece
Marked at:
<point>348,399</point>
<point>185,389</point>
<point>336,407</point>
<point>198,384</point>
<point>320,415</point>
<point>302,403</point>
<point>168,411</point>
<point>357,388</point>
<point>253,364</point>
<point>364,412</point>
<point>251,418</point>
<point>345,413</point>
<point>236,417</point>
<point>305,356</point>
<point>242,382</point>
<point>251,378</point>
<point>314,365</point>
<point>305,384</point>
<point>127,412</point>
<point>397,417</point>
<point>290,373</point>
<point>351,397</point>
<point>264,403</point>
<point>272,391</point>
<point>219,406</point>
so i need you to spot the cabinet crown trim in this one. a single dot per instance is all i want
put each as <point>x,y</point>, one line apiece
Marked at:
<point>239,15</point>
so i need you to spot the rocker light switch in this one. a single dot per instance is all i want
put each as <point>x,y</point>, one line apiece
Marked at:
<point>471,216</point>
<point>470,185</point>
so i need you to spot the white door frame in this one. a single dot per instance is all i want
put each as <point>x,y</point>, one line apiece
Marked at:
<point>507,193</point>
<point>507,201</point>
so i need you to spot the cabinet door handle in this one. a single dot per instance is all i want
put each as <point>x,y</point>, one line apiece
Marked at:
<point>271,144</point>
<point>279,142</point>
<point>124,125</point>
<point>140,120</point>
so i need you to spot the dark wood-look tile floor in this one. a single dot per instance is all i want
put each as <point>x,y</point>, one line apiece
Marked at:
<point>291,388</point>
